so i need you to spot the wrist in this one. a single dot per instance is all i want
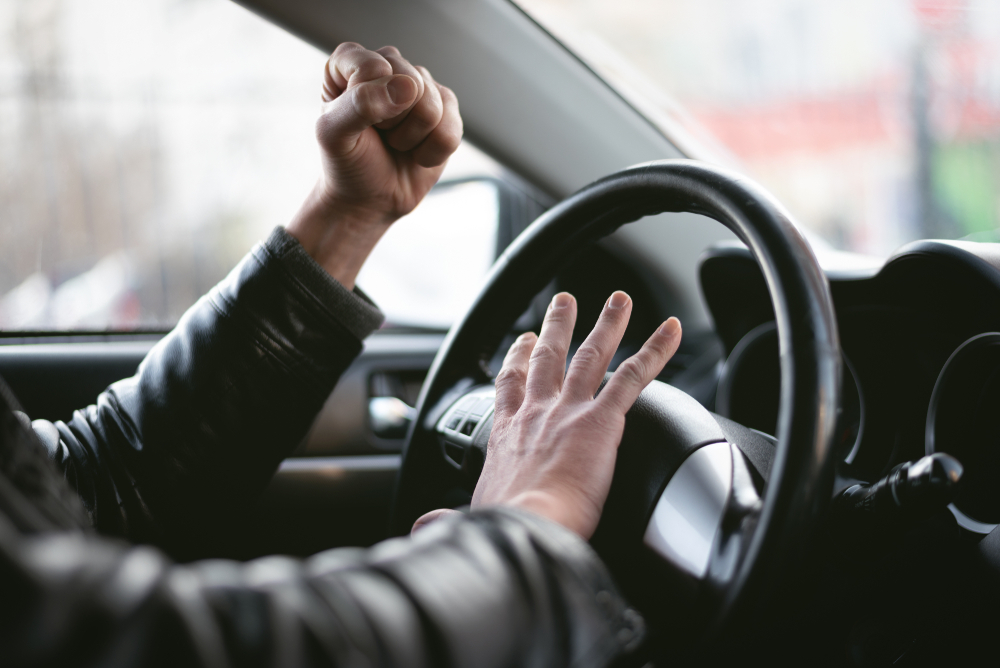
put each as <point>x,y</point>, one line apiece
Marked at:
<point>554,509</point>
<point>337,235</point>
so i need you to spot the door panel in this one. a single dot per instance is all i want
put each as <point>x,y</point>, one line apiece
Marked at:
<point>390,365</point>
<point>335,489</point>
<point>51,380</point>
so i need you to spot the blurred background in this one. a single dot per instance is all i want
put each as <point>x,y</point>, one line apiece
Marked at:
<point>875,122</point>
<point>145,145</point>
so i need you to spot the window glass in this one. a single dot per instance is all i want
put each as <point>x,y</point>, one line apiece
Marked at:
<point>428,268</point>
<point>875,122</point>
<point>146,146</point>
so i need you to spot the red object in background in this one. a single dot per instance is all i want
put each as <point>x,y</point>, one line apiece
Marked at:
<point>872,117</point>
<point>804,125</point>
<point>845,122</point>
<point>939,15</point>
<point>127,313</point>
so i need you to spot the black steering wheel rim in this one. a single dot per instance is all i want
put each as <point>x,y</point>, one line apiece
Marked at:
<point>802,471</point>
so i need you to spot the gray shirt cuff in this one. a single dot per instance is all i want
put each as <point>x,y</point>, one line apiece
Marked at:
<point>353,309</point>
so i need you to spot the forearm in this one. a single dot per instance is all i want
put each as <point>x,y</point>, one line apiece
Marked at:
<point>496,588</point>
<point>199,430</point>
<point>339,237</point>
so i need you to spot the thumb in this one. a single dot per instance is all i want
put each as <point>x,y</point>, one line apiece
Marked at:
<point>362,106</point>
<point>427,518</point>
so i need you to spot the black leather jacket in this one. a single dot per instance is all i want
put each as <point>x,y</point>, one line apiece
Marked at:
<point>166,457</point>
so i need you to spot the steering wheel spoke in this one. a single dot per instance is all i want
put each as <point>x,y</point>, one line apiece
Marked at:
<point>464,430</point>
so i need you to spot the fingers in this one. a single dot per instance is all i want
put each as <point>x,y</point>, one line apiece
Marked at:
<point>420,120</point>
<point>638,371</point>
<point>401,65</point>
<point>380,88</point>
<point>591,360</point>
<point>510,382</point>
<point>362,106</point>
<point>352,63</point>
<point>548,358</point>
<point>362,88</point>
<point>444,139</point>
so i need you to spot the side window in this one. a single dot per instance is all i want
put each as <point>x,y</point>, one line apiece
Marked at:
<point>146,146</point>
<point>429,265</point>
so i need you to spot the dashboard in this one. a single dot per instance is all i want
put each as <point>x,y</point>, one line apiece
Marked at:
<point>921,362</point>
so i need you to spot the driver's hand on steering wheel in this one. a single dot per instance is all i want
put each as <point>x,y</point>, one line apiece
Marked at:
<point>385,132</point>
<point>553,446</point>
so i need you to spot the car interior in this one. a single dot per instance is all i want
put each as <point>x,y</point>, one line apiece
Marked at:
<point>813,477</point>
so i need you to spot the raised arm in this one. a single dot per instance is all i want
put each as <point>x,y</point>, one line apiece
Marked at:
<point>166,456</point>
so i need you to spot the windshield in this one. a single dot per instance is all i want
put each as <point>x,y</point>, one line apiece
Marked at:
<point>875,123</point>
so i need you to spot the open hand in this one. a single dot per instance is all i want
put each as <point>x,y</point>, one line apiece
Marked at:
<point>553,445</point>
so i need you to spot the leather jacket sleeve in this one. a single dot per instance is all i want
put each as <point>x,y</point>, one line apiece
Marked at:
<point>166,456</point>
<point>170,455</point>
<point>493,588</point>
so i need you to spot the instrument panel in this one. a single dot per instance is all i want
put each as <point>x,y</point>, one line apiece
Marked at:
<point>963,419</point>
<point>921,362</point>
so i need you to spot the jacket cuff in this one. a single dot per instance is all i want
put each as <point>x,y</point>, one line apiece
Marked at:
<point>352,309</point>
<point>610,627</point>
<point>539,590</point>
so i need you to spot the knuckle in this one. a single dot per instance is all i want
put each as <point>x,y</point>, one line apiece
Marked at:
<point>502,411</point>
<point>372,68</point>
<point>544,351</point>
<point>528,337</point>
<point>633,371</point>
<point>591,421</point>
<point>520,346</point>
<point>511,375</point>
<point>428,113</point>
<point>451,138</point>
<point>586,356</point>
<point>364,98</point>
<point>558,315</point>
<point>347,47</point>
<point>531,411</point>
<point>389,50</point>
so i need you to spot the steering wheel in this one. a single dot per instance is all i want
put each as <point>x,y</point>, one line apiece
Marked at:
<point>707,522</point>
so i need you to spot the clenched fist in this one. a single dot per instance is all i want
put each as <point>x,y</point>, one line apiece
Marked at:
<point>386,131</point>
